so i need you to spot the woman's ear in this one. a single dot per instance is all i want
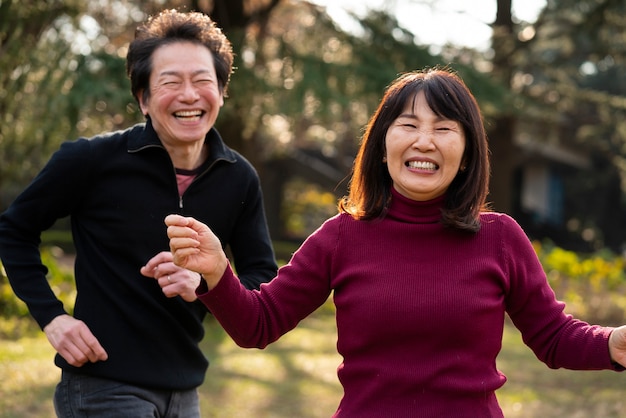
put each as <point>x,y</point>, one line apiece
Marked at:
<point>463,165</point>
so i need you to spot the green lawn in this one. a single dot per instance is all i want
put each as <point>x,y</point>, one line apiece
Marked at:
<point>295,377</point>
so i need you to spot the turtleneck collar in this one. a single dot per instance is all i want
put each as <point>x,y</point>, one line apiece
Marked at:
<point>413,211</point>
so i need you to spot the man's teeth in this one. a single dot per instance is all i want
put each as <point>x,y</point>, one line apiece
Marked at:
<point>188,113</point>
<point>422,165</point>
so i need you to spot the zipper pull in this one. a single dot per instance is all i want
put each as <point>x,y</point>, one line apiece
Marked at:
<point>180,202</point>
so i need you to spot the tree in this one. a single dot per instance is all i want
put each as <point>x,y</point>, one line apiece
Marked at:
<point>504,44</point>
<point>32,63</point>
<point>569,69</point>
<point>302,86</point>
<point>59,77</point>
<point>306,88</point>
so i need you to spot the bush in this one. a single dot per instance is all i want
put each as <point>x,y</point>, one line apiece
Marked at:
<point>61,280</point>
<point>592,286</point>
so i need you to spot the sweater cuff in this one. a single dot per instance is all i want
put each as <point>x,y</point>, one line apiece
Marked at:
<point>203,289</point>
<point>615,365</point>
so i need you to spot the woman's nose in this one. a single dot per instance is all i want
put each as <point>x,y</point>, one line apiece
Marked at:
<point>423,140</point>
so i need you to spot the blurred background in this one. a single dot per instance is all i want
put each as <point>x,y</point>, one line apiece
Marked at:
<point>549,75</point>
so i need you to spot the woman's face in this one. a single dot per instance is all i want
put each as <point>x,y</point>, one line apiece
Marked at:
<point>424,152</point>
<point>185,97</point>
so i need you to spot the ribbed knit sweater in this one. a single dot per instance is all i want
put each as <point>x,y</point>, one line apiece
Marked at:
<point>420,310</point>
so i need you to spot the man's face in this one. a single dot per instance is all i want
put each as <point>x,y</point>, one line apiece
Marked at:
<point>185,97</point>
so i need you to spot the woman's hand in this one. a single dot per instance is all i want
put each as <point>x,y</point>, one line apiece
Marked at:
<point>196,248</point>
<point>617,345</point>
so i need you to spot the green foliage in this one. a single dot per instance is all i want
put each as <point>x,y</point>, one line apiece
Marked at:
<point>60,277</point>
<point>593,286</point>
<point>10,305</point>
<point>306,207</point>
<point>35,65</point>
<point>302,82</point>
<point>60,237</point>
<point>570,66</point>
<point>284,250</point>
<point>58,80</point>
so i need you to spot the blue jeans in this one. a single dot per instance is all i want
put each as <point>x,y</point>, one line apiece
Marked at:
<point>79,395</point>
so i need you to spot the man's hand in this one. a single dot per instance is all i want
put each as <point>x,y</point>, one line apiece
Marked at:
<point>195,247</point>
<point>174,281</point>
<point>73,340</point>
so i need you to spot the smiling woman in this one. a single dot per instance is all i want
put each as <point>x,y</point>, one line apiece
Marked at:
<point>422,274</point>
<point>423,151</point>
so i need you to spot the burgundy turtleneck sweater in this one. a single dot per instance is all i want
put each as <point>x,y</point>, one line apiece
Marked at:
<point>420,310</point>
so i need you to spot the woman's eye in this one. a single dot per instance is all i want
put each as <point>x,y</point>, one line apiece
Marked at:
<point>447,127</point>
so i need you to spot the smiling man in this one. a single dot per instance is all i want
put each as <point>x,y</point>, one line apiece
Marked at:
<point>131,346</point>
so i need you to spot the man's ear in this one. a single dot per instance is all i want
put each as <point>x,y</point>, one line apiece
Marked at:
<point>143,102</point>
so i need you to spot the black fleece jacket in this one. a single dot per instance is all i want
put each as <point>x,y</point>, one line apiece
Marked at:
<point>117,189</point>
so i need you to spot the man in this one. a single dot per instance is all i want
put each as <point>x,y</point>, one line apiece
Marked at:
<point>131,346</point>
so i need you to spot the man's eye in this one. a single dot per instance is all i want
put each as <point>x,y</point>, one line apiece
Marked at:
<point>203,83</point>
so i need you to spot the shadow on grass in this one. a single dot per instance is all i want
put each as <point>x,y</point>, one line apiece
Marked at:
<point>294,377</point>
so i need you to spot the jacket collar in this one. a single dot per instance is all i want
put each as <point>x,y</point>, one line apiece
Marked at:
<point>148,138</point>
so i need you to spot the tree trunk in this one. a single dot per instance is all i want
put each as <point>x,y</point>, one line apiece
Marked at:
<point>502,131</point>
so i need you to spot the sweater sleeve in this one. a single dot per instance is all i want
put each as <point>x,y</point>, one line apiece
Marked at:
<point>49,197</point>
<point>256,318</point>
<point>556,338</point>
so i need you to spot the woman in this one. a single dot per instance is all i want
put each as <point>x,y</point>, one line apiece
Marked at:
<point>422,275</point>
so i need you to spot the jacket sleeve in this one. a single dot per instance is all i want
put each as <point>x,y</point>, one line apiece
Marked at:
<point>250,244</point>
<point>49,197</point>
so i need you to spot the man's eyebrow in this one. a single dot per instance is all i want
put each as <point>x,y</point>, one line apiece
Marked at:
<point>169,72</point>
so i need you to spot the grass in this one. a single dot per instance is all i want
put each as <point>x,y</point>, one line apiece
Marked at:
<point>27,377</point>
<point>535,391</point>
<point>295,377</point>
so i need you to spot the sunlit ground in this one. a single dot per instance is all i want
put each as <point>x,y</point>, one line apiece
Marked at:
<point>295,377</point>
